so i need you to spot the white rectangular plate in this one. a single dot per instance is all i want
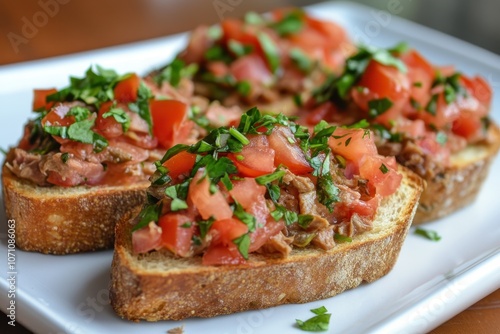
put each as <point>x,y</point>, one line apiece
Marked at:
<point>431,282</point>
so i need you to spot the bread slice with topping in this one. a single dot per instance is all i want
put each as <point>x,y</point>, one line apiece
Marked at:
<point>58,220</point>
<point>160,286</point>
<point>459,184</point>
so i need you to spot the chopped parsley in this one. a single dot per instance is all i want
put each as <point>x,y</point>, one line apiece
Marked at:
<point>337,88</point>
<point>120,116</point>
<point>291,23</point>
<point>379,106</point>
<point>141,106</point>
<point>429,234</point>
<point>271,51</point>
<point>94,88</point>
<point>80,130</point>
<point>318,323</point>
<point>175,71</point>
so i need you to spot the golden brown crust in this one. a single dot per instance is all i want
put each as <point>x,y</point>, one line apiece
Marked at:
<point>460,183</point>
<point>57,220</point>
<point>157,286</point>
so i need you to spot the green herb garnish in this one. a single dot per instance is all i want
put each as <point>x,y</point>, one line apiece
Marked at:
<point>318,323</point>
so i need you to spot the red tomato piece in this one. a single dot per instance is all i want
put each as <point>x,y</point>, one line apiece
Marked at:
<point>108,126</point>
<point>479,88</point>
<point>226,230</point>
<point>180,164</point>
<point>263,234</point>
<point>256,158</point>
<point>380,173</point>
<point>467,125</point>
<point>247,192</point>
<point>237,30</point>
<point>126,90</point>
<point>352,144</point>
<point>147,238</point>
<point>251,68</point>
<point>177,231</point>
<point>287,151</point>
<point>445,113</point>
<point>40,98</point>
<point>222,255</point>
<point>207,204</point>
<point>381,81</point>
<point>168,118</point>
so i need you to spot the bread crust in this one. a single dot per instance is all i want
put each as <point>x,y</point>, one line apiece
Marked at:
<point>158,286</point>
<point>60,220</point>
<point>459,184</point>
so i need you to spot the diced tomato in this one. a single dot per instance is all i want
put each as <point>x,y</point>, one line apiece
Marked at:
<point>413,59</point>
<point>445,113</point>
<point>168,118</point>
<point>263,234</point>
<point>222,249</point>
<point>380,173</point>
<point>180,164</point>
<point>237,30</point>
<point>108,126</point>
<point>207,204</point>
<point>57,117</point>
<point>177,231</point>
<point>382,81</point>
<point>467,125</point>
<point>147,238</point>
<point>247,192</point>
<point>352,144</point>
<point>222,255</point>
<point>287,151</point>
<point>256,158</point>
<point>332,32</point>
<point>226,230</point>
<point>40,98</point>
<point>252,68</point>
<point>126,90</point>
<point>479,88</point>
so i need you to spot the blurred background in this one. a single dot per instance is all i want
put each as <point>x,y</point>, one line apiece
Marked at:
<point>32,29</point>
<point>36,29</point>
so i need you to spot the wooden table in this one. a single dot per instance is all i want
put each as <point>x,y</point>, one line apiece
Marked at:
<point>31,31</point>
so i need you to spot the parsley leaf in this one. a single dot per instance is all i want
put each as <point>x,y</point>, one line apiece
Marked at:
<point>243,244</point>
<point>290,24</point>
<point>271,51</point>
<point>379,106</point>
<point>149,213</point>
<point>318,323</point>
<point>120,116</point>
<point>141,106</point>
<point>429,234</point>
<point>175,71</point>
<point>94,88</point>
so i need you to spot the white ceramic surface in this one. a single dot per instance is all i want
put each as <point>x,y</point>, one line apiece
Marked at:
<point>431,282</point>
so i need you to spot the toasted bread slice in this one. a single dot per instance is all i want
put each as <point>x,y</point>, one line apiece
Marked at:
<point>460,183</point>
<point>64,220</point>
<point>159,286</point>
